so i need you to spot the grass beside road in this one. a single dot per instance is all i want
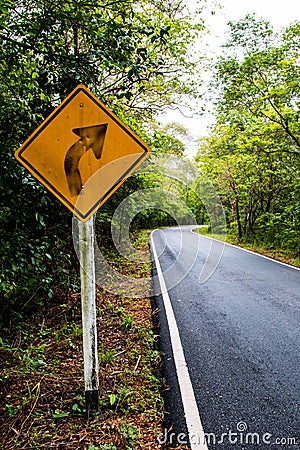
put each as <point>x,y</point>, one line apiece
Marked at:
<point>277,254</point>
<point>42,390</point>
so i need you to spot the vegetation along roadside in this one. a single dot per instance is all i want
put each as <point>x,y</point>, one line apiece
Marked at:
<point>42,392</point>
<point>280,254</point>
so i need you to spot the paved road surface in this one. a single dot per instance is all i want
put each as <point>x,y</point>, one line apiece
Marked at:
<point>240,336</point>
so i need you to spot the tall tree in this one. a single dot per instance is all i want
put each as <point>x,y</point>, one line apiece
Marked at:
<point>253,151</point>
<point>136,51</point>
<point>261,75</point>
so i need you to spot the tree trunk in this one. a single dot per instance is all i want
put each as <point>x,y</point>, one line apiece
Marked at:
<point>238,217</point>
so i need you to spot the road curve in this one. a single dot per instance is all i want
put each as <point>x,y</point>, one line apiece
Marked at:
<point>239,332</point>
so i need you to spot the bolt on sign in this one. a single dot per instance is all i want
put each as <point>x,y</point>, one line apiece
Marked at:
<point>77,139</point>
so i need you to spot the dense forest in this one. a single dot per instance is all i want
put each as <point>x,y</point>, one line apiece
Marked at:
<point>252,154</point>
<point>138,58</point>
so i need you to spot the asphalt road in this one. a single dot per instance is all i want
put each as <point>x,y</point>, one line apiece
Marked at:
<point>240,336</point>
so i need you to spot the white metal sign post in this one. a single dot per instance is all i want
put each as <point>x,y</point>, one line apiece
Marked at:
<point>89,321</point>
<point>63,164</point>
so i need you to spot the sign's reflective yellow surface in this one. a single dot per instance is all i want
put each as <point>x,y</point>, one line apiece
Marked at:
<point>82,153</point>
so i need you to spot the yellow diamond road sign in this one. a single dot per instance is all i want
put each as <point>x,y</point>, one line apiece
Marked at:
<point>82,153</point>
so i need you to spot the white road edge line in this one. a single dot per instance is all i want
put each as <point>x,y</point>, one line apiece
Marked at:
<point>246,250</point>
<point>192,416</point>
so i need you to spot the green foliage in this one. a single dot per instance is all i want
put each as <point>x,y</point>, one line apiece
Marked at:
<point>252,154</point>
<point>133,55</point>
<point>127,321</point>
<point>103,447</point>
<point>263,81</point>
<point>124,50</point>
<point>34,261</point>
<point>59,415</point>
<point>169,139</point>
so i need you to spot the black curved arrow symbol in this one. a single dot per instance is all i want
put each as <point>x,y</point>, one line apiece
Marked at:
<point>90,138</point>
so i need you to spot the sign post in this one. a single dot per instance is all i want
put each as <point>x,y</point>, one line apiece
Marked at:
<point>89,324</point>
<point>79,139</point>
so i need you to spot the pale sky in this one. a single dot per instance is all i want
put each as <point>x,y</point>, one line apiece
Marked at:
<point>278,13</point>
